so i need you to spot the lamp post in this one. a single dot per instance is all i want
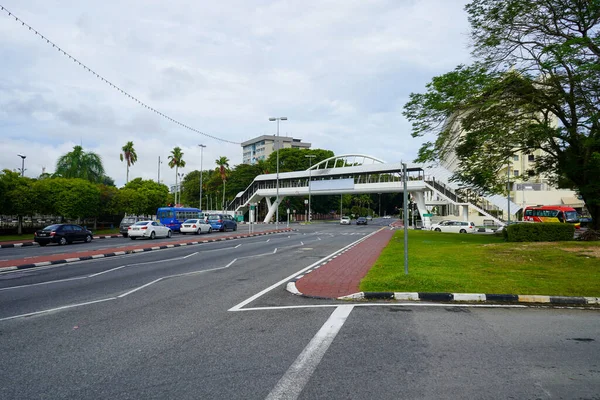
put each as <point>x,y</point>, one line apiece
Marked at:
<point>508,188</point>
<point>310,157</point>
<point>277,185</point>
<point>22,163</point>
<point>159,162</point>
<point>181,174</point>
<point>201,155</point>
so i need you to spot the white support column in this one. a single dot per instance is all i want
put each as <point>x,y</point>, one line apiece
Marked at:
<point>272,207</point>
<point>419,198</point>
<point>465,212</point>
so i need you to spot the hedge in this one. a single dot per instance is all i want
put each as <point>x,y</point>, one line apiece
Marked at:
<point>539,232</point>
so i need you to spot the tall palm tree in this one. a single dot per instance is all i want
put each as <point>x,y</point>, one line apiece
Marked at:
<point>223,164</point>
<point>176,161</point>
<point>129,155</point>
<point>80,164</point>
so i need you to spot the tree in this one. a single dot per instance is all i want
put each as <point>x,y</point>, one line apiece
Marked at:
<point>176,161</point>
<point>80,164</point>
<point>535,84</point>
<point>129,156</point>
<point>154,195</point>
<point>223,166</point>
<point>16,196</point>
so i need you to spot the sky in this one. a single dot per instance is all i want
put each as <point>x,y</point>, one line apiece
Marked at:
<point>339,70</point>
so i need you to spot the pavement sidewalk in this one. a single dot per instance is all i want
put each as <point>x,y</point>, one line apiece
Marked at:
<point>341,276</point>
<point>70,255</point>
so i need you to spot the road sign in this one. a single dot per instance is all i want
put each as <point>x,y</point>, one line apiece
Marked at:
<point>428,215</point>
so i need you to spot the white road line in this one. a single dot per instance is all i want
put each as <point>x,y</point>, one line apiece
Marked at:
<point>57,309</point>
<point>43,283</point>
<point>268,240</point>
<point>275,251</point>
<point>301,243</point>
<point>416,304</point>
<point>237,307</point>
<point>237,246</point>
<point>203,271</point>
<point>291,384</point>
<point>140,288</point>
<point>108,270</point>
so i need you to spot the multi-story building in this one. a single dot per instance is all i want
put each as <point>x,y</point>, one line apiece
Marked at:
<point>261,147</point>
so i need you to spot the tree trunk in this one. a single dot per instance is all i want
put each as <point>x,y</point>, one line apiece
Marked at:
<point>595,214</point>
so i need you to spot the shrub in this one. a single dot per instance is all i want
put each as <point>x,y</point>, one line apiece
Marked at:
<point>589,235</point>
<point>539,232</point>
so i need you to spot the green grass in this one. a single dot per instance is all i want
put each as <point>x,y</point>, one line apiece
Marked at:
<point>455,263</point>
<point>28,237</point>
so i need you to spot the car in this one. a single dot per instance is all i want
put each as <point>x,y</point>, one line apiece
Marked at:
<point>361,221</point>
<point>454,226</point>
<point>148,229</point>
<point>345,221</point>
<point>62,234</point>
<point>195,226</point>
<point>369,218</point>
<point>126,222</point>
<point>387,217</point>
<point>222,222</point>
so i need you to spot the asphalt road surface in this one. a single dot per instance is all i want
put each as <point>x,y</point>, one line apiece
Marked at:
<point>214,321</point>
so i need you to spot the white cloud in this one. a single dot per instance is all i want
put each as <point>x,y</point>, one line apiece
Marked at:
<point>340,70</point>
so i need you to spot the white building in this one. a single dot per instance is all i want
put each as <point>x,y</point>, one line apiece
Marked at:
<point>261,147</point>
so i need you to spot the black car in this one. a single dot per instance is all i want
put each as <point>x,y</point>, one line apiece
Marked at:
<point>62,234</point>
<point>361,221</point>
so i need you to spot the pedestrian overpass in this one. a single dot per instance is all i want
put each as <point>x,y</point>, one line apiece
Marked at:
<point>363,174</point>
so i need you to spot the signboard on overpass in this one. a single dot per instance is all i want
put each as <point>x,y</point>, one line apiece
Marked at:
<point>332,184</point>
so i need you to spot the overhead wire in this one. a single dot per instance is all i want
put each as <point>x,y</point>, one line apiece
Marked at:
<point>97,75</point>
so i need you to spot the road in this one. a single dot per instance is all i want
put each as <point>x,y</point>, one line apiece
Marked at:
<point>214,321</point>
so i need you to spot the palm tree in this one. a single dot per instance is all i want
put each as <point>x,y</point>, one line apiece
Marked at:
<point>223,164</point>
<point>176,161</point>
<point>80,164</point>
<point>129,155</point>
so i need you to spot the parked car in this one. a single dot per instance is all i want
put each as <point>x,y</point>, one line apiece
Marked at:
<point>345,221</point>
<point>454,226</point>
<point>369,218</point>
<point>361,221</point>
<point>148,229</point>
<point>62,234</point>
<point>195,226</point>
<point>126,222</point>
<point>222,222</point>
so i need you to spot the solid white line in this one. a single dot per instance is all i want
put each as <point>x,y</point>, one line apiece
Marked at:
<point>268,240</point>
<point>291,384</point>
<point>139,288</point>
<point>203,271</point>
<point>237,307</point>
<point>237,246</point>
<point>108,270</point>
<point>57,309</point>
<point>390,305</point>
<point>43,283</point>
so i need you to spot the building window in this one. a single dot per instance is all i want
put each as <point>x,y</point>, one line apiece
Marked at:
<point>515,172</point>
<point>531,158</point>
<point>516,157</point>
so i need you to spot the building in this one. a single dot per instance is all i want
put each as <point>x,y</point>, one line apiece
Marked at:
<point>261,147</point>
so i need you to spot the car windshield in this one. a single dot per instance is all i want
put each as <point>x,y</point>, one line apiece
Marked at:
<point>214,217</point>
<point>190,221</point>
<point>128,220</point>
<point>51,228</point>
<point>142,223</point>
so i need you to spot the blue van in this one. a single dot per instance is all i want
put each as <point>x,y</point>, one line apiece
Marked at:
<point>222,222</point>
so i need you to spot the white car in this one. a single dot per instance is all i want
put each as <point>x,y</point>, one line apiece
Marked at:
<point>148,229</point>
<point>454,226</point>
<point>195,226</point>
<point>387,216</point>
<point>345,221</point>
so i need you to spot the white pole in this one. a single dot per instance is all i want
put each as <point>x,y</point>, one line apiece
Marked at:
<point>277,200</point>
<point>201,156</point>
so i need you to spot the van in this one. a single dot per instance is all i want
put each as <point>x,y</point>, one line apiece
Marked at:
<point>126,222</point>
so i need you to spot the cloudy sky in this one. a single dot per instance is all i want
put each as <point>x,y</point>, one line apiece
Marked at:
<point>340,70</point>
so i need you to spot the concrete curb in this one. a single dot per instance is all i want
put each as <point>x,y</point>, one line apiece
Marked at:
<point>458,297</point>
<point>134,251</point>
<point>25,244</point>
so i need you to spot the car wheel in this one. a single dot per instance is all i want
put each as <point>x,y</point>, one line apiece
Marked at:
<point>198,231</point>
<point>183,233</point>
<point>222,229</point>
<point>152,235</point>
<point>463,231</point>
<point>235,228</point>
<point>42,244</point>
<point>125,235</point>
<point>88,238</point>
<point>169,233</point>
<point>209,230</point>
<point>62,241</point>
<point>438,230</point>
<point>132,238</point>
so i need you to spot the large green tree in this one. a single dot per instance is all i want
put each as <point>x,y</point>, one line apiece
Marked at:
<point>176,161</point>
<point>16,196</point>
<point>80,164</point>
<point>534,85</point>
<point>129,156</point>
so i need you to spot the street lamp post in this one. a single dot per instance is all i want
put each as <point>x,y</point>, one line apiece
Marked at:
<point>310,157</point>
<point>22,163</point>
<point>181,174</point>
<point>159,162</point>
<point>277,185</point>
<point>201,155</point>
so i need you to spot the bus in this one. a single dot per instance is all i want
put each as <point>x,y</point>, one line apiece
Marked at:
<point>173,217</point>
<point>551,214</point>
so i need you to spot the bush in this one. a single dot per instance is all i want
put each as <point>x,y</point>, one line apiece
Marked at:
<point>589,235</point>
<point>539,232</point>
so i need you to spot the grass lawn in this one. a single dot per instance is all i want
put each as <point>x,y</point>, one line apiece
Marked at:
<point>28,237</point>
<point>455,263</point>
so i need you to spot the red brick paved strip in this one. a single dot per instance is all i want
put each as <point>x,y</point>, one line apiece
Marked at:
<point>342,275</point>
<point>142,245</point>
